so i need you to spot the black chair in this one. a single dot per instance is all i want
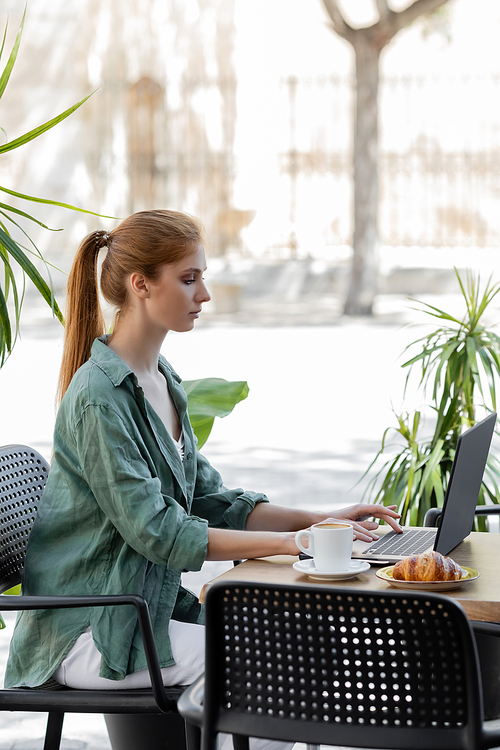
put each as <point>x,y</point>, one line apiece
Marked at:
<point>338,666</point>
<point>23,473</point>
<point>487,633</point>
<point>432,516</point>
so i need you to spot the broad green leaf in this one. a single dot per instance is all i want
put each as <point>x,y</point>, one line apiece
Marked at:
<point>209,398</point>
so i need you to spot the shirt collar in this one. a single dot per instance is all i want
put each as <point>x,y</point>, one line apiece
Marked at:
<point>109,362</point>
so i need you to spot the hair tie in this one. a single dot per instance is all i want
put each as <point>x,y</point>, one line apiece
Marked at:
<point>102,238</point>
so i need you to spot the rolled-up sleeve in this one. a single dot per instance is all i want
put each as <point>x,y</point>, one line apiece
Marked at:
<point>222,507</point>
<point>119,478</point>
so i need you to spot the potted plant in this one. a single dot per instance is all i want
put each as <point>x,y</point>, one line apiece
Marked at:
<point>457,366</point>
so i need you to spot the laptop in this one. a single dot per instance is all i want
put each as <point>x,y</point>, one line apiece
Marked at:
<point>457,516</point>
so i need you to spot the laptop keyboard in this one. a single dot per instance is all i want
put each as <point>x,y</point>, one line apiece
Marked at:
<point>408,543</point>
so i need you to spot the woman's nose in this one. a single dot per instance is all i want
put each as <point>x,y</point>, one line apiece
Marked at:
<point>203,293</point>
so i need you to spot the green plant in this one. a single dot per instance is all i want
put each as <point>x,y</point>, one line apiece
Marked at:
<point>10,249</point>
<point>209,398</point>
<point>458,364</point>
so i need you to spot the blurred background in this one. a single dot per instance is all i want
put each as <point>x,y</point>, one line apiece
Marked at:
<point>243,113</point>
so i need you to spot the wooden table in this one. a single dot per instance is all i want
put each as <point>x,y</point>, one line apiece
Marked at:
<point>480,598</point>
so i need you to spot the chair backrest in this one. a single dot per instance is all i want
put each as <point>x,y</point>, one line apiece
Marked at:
<point>23,474</point>
<point>340,666</point>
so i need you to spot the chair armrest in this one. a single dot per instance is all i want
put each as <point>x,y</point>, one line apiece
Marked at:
<point>432,516</point>
<point>487,510</point>
<point>190,703</point>
<point>486,628</point>
<point>13,603</point>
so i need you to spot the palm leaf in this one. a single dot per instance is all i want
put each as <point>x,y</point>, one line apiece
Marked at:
<point>458,366</point>
<point>432,462</point>
<point>31,271</point>
<point>48,202</point>
<point>436,312</point>
<point>36,252</point>
<point>489,376</point>
<point>10,283</point>
<point>10,249</point>
<point>4,78</point>
<point>17,211</point>
<point>5,323</point>
<point>4,39</point>
<point>32,134</point>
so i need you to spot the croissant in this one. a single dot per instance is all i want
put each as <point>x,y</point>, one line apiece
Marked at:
<point>428,566</point>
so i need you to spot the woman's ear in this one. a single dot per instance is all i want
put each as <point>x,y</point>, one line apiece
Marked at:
<point>139,285</point>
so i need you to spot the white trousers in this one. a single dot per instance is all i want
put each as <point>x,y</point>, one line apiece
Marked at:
<point>80,669</point>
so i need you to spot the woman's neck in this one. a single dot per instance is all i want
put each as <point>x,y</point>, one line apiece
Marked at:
<point>139,351</point>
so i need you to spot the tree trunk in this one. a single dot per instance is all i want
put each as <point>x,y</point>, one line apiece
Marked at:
<point>363,283</point>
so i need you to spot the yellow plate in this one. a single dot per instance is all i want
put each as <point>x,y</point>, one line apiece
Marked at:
<point>468,575</point>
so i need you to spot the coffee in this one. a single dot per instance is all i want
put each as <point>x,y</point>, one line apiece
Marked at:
<point>331,525</point>
<point>330,544</point>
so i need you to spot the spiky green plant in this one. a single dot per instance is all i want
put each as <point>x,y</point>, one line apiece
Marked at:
<point>13,254</point>
<point>458,365</point>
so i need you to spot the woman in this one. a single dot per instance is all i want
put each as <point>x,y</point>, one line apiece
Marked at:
<point>130,503</point>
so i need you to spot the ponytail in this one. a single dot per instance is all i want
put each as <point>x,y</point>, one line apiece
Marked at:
<point>84,318</point>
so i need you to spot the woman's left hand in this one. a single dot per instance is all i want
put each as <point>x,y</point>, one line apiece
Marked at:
<point>359,516</point>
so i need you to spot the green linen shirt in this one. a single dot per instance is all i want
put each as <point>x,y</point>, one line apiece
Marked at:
<point>121,513</point>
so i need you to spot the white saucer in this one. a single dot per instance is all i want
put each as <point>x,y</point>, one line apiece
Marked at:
<point>309,569</point>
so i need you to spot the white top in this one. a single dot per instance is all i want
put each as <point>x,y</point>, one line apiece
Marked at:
<point>179,444</point>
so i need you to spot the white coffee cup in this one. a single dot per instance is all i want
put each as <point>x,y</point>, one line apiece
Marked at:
<point>330,544</point>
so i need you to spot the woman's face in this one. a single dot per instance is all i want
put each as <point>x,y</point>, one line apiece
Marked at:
<point>176,297</point>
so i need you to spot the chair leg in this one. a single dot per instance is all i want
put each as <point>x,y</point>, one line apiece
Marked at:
<point>240,742</point>
<point>54,731</point>
<point>193,737</point>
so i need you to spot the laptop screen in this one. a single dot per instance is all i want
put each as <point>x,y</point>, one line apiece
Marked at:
<point>464,485</point>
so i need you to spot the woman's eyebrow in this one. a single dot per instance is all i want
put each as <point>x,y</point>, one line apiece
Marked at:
<point>193,270</point>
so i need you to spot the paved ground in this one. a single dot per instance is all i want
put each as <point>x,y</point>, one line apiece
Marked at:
<point>320,398</point>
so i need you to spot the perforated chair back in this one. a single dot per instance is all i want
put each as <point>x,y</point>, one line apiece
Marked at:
<point>335,666</point>
<point>23,474</point>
